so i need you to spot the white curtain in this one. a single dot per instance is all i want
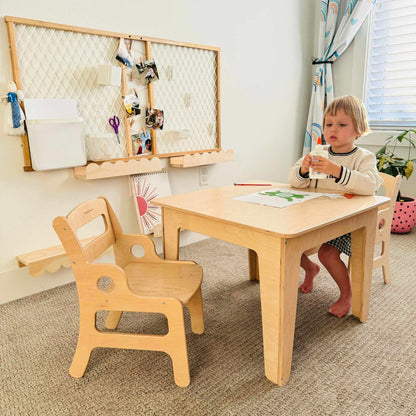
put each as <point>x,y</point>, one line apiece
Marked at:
<point>334,39</point>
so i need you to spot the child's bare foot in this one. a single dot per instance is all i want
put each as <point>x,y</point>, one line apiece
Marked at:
<point>341,307</point>
<point>310,273</point>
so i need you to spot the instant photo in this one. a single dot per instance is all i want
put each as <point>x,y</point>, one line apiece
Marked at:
<point>123,54</point>
<point>154,118</point>
<point>147,71</point>
<point>132,105</point>
<point>142,143</point>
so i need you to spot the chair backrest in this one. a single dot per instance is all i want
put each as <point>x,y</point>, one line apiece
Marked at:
<point>67,228</point>
<point>391,184</point>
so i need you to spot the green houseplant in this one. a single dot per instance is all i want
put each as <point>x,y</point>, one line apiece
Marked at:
<point>390,163</point>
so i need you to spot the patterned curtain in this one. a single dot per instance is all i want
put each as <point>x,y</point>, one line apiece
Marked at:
<point>333,41</point>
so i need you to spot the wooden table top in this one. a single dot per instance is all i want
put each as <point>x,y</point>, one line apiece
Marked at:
<point>218,204</point>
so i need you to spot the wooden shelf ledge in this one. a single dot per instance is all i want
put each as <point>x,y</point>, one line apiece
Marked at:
<point>118,168</point>
<point>49,259</point>
<point>200,159</point>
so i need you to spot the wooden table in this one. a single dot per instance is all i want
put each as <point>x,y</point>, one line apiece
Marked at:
<point>278,236</point>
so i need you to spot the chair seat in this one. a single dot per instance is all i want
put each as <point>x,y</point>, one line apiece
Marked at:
<point>177,280</point>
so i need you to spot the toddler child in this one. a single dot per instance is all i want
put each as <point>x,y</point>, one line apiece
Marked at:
<point>349,169</point>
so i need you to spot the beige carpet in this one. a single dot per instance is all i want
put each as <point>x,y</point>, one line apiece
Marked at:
<point>340,366</point>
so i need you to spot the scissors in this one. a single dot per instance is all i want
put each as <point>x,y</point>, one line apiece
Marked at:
<point>115,123</point>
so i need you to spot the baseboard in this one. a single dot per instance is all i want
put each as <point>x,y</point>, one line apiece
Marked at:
<point>18,283</point>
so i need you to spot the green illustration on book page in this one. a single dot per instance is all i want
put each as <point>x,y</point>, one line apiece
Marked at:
<point>287,195</point>
<point>279,197</point>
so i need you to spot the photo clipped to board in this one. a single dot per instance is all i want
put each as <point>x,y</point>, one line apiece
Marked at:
<point>142,143</point>
<point>154,118</point>
<point>147,71</point>
<point>132,104</point>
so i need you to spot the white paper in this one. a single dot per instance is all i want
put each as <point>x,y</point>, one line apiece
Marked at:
<point>279,198</point>
<point>50,108</point>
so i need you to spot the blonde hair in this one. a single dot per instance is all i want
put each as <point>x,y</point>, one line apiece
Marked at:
<point>352,107</point>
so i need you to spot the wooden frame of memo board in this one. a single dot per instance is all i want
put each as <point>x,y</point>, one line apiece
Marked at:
<point>51,60</point>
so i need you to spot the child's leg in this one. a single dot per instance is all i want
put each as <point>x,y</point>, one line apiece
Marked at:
<point>330,258</point>
<point>311,270</point>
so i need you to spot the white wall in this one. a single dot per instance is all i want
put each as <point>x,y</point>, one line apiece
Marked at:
<point>265,91</point>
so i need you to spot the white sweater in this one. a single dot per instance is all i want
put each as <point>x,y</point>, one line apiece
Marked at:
<point>359,174</point>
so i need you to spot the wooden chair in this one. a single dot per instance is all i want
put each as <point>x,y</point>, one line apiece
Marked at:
<point>145,284</point>
<point>384,219</point>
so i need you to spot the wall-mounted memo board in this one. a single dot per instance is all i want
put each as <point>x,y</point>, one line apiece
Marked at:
<point>51,60</point>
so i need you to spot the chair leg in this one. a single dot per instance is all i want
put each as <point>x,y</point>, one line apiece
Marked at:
<point>196,312</point>
<point>113,319</point>
<point>386,272</point>
<point>84,345</point>
<point>177,349</point>
<point>386,262</point>
<point>81,358</point>
<point>180,366</point>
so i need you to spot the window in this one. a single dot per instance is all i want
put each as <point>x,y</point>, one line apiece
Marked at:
<point>390,88</point>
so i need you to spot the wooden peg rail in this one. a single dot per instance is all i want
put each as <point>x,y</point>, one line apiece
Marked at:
<point>118,168</point>
<point>200,159</point>
<point>49,259</point>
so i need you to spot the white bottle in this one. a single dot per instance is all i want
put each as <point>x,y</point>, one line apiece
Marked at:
<point>318,151</point>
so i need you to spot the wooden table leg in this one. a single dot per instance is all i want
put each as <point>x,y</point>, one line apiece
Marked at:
<point>253,265</point>
<point>170,235</point>
<point>279,266</point>
<point>362,252</point>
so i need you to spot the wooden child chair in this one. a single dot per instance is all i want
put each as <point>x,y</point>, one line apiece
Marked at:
<point>385,212</point>
<point>384,219</point>
<point>145,284</point>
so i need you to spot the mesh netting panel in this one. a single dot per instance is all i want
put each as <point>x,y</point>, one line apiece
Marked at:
<point>187,92</point>
<point>64,65</point>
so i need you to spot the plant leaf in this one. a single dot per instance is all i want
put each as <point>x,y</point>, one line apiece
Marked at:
<point>409,169</point>
<point>401,135</point>
<point>411,141</point>
<point>381,164</point>
<point>381,151</point>
<point>399,163</point>
<point>390,171</point>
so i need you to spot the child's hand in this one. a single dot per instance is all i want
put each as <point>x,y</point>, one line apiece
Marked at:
<point>307,160</point>
<point>324,165</point>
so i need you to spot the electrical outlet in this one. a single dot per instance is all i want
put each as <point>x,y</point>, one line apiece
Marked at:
<point>203,176</point>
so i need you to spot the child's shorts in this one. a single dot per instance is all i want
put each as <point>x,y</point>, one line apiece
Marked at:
<point>342,243</point>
